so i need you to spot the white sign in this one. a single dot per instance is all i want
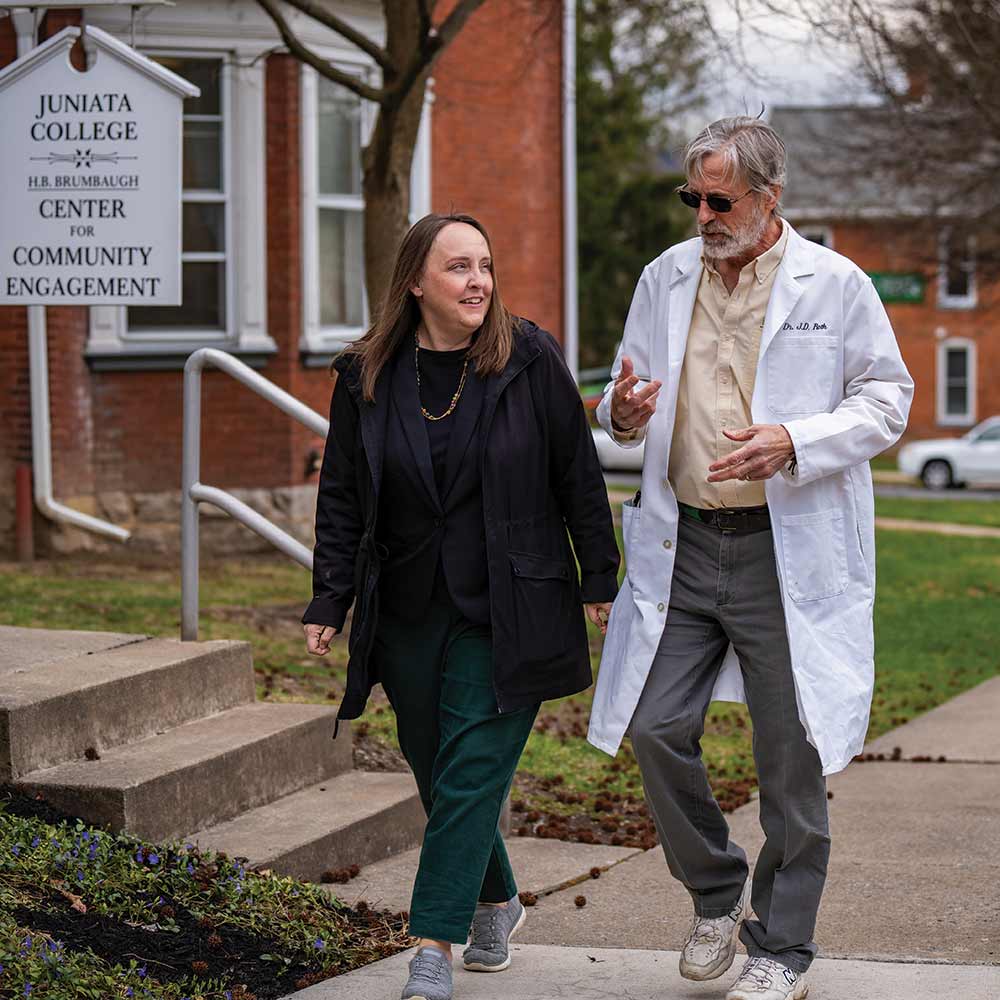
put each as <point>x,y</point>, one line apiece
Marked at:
<point>90,177</point>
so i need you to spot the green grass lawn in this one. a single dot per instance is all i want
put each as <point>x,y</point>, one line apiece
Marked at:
<point>935,636</point>
<point>958,511</point>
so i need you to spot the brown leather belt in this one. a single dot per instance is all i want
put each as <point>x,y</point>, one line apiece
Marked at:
<point>729,518</point>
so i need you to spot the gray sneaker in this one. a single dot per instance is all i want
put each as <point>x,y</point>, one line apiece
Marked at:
<point>430,976</point>
<point>492,929</point>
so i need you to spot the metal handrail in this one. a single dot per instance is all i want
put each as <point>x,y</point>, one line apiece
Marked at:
<point>194,492</point>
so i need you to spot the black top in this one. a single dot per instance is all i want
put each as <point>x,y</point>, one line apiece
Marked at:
<point>440,373</point>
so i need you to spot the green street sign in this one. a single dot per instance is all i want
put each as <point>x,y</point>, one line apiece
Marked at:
<point>893,287</point>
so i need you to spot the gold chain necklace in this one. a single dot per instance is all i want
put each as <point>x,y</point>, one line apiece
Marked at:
<point>458,391</point>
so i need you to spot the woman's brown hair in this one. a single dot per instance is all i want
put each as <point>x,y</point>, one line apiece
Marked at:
<point>399,314</point>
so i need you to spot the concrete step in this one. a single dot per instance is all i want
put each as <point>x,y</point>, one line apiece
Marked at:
<point>200,773</point>
<point>357,818</point>
<point>56,710</point>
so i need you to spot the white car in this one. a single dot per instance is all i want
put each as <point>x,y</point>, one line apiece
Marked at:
<point>944,462</point>
<point>613,456</point>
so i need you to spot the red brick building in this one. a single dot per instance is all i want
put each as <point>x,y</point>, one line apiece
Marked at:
<point>272,256</point>
<point>946,317</point>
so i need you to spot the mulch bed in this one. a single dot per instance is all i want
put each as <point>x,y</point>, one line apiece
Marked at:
<point>227,953</point>
<point>201,948</point>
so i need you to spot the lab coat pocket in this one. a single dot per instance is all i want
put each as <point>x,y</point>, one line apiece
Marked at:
<point>631,515</point>
<point>814,555</point>
<point>800,373</point>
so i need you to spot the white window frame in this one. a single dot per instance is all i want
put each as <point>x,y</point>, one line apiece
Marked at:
<point>944,418</point>
<point>223,336</point>
<point>111,344</point>
<point>319,342</point>
<point>808,231</point>
<point>946,301</point>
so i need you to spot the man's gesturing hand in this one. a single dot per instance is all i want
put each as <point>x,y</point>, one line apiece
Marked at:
<point>632,410</point>
<point>767,451</point>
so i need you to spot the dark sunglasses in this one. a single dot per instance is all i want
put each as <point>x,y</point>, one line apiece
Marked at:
<point>716,202</point>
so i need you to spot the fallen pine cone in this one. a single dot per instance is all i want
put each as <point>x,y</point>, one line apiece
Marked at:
<point>580,901</point>
<point>527,898</point>
<point>595,872</point>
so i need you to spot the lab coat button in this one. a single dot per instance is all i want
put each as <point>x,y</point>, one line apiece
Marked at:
<point>667,544</point>
<point>660,606</point>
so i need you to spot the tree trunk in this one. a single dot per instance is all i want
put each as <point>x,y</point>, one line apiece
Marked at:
<point>386,185</point>
<point>388,157</point>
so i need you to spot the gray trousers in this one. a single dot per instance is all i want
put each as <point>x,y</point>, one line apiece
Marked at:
<point>725,589</point>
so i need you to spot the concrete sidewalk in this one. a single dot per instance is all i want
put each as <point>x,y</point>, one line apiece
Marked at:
<point>911,909</point>
<point>550,973</point>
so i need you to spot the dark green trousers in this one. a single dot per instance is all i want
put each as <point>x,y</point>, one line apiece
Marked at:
<point>437,674</point>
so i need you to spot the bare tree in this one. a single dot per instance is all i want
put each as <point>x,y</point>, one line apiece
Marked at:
<point>929,148</point>
<point>413,42</point>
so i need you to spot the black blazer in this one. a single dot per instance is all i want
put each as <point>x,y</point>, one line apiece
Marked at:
<point>420,526</point>
<point>541,486</point>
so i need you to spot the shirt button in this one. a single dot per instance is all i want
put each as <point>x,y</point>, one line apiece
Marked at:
<point>667,543</point>
<point>660,606</point>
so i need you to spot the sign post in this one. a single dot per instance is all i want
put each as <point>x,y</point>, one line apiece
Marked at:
<point>47,251</point>
<point>91,177</point>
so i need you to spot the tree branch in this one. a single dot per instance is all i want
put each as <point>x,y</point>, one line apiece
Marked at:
<point>454,23</point>
<point>306,55</point>
<point>318,13</point>
<point>431,46</point>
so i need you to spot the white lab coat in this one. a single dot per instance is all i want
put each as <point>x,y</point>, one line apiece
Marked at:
<point>829,371</point>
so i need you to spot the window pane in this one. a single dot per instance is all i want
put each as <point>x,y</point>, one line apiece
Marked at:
<point>958,400</point>
<point>957,364</point>
<point>339,140</point>
<point>203,73</point>
<point>204,227</point>
<point>203,156</point>
<point>341,265</point>
<point>958,280</point>
<point>959,268</point>
<point>204,301</point>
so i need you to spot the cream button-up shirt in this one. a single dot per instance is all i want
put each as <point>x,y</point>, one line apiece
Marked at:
<point>717,380</point>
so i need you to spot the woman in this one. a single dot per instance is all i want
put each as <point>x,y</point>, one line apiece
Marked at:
<point>458,457</point>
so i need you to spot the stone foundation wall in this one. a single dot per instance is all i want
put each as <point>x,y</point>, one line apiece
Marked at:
<point>155,522</point>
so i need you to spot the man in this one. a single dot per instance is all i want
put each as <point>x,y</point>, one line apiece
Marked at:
<point>762,374</point>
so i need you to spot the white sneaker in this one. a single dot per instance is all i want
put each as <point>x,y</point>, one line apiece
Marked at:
<point>766,979</point>
<point>711,944</point>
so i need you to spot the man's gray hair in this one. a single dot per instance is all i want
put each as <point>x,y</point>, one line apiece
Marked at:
<point>751,149</point>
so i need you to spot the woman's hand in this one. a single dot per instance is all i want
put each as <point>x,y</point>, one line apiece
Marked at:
<point>598,614</point>
<point>318,638</point>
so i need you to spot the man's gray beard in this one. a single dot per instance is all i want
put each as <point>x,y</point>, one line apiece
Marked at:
<point>739,241</point>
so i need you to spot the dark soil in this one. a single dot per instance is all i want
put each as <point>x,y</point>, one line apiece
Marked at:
<point>230,954</point>
<point>168,956</point>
